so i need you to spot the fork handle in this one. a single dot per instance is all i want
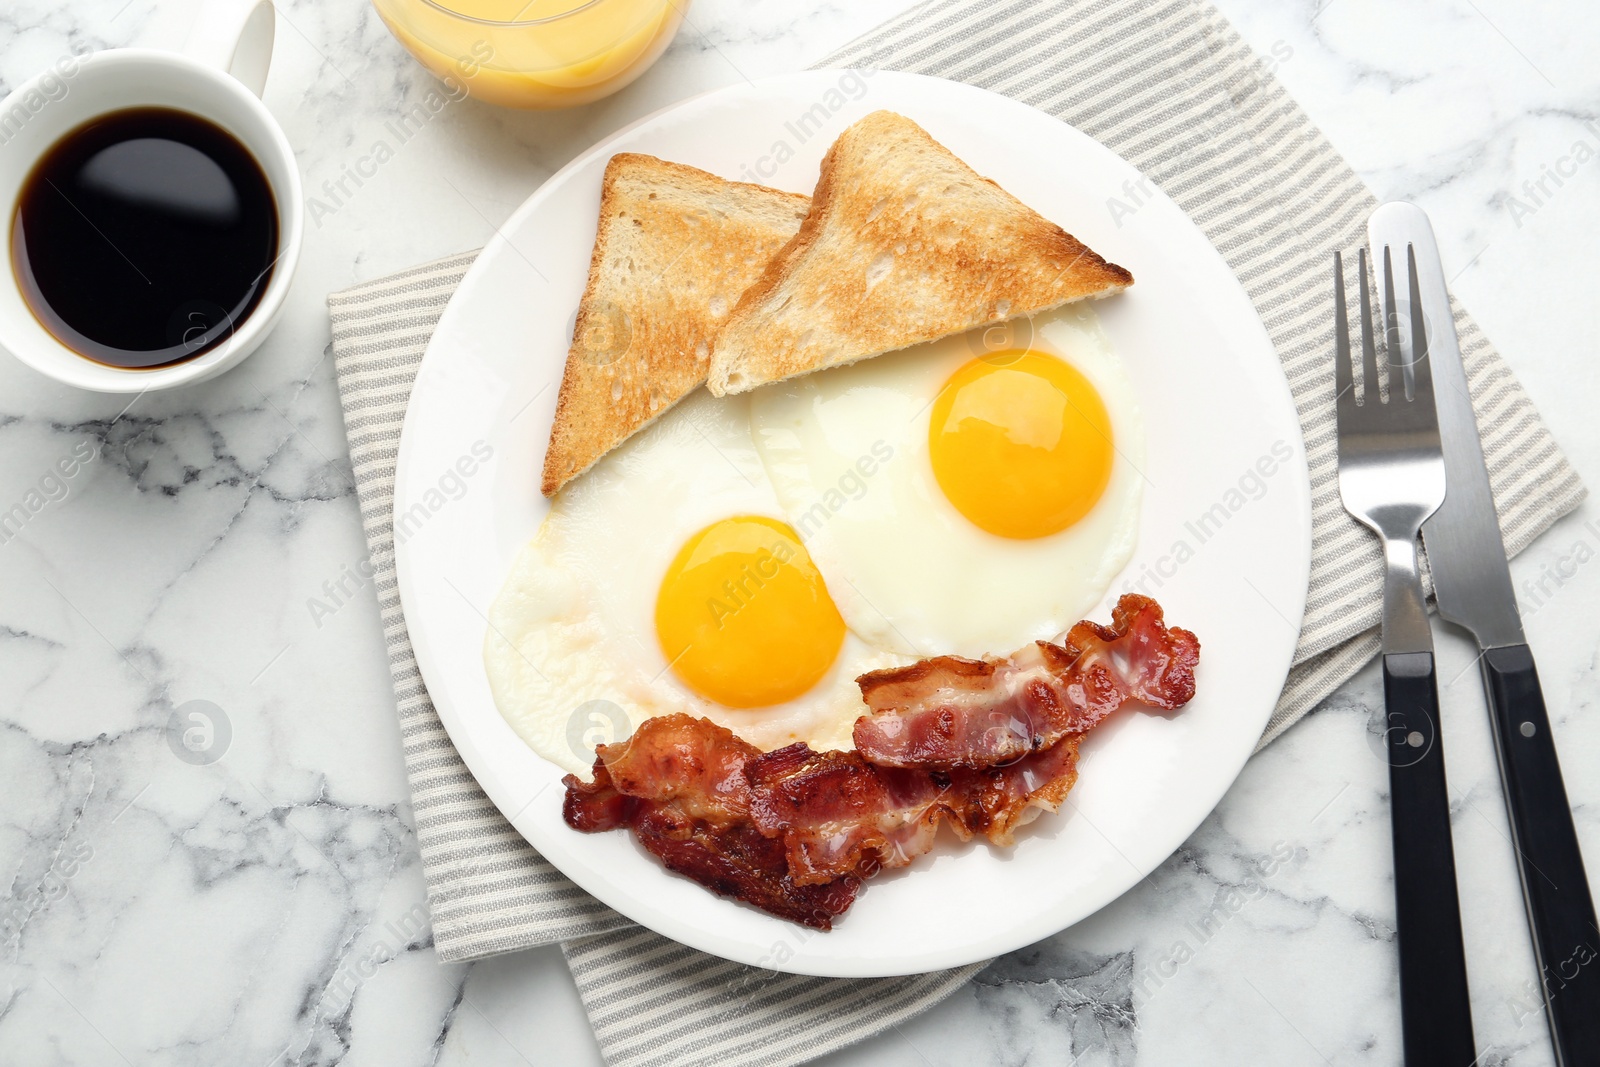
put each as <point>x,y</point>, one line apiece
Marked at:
<point>1435,1011</point>
<point>1566,942</point>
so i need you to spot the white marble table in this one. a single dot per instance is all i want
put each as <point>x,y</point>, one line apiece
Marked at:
<point>154,911</point>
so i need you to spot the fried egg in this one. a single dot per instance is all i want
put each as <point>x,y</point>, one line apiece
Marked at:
<point>967,495</point>
<point>669,579</point>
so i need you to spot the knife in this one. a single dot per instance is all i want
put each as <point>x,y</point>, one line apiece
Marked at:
<point>1472,584</point>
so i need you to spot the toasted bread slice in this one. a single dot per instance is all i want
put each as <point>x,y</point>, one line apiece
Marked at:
<point>675,248</point>
<point>904,243</point>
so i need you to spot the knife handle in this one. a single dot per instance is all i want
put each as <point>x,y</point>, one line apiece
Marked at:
<point>1566,942</point>
<point>1435,1009</point>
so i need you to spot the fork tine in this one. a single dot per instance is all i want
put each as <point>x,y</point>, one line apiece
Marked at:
<point>1342,381</point>
<point>1421,365</point>
<point>1369,351</point>
<point>1394,355</point>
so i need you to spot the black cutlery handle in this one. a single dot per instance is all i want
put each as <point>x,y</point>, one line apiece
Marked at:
<point>1435,1010</point>
<point>1566,942</point>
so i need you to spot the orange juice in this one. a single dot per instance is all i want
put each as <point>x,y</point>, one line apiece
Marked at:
<point>534,53</point>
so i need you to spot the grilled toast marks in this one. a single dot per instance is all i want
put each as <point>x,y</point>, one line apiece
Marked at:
<point>904,243</point>
<point>674,249</point>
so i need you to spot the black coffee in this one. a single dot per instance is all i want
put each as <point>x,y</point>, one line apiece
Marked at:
<point>144,237</point>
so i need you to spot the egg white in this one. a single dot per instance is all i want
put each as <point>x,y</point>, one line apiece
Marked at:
<point>847,452</point>
<point>571,651</point>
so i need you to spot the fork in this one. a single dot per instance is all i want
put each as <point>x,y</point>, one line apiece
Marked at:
<point>1391,478</point>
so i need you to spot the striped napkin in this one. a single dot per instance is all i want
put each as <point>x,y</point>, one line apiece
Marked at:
<point>1170,87</point>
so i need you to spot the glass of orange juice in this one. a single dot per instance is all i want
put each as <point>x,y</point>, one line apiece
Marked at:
<point>535,53</point>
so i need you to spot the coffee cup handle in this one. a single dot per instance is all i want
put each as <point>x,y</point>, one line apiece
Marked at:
<point>236,37</point>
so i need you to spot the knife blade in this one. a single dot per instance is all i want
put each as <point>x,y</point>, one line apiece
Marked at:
<point>1472,584</point>
<point>1465,553</point>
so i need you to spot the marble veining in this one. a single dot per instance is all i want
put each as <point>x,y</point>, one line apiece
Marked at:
<point>206,852</point>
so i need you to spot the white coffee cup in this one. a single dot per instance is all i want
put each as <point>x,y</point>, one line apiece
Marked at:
<point>217,77</point>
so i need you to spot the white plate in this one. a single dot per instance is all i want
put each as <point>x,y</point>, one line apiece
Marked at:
<point>1217,412</point>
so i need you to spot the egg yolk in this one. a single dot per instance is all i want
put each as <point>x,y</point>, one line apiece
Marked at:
<point>743,615</point>
<point>1021,443</point>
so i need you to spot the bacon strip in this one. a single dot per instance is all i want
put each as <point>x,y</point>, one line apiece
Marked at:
<point>839,815</point>
<point>679,784</point>
<point>836,814</point>
<point>949,712</point>
<point>980,746</point>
